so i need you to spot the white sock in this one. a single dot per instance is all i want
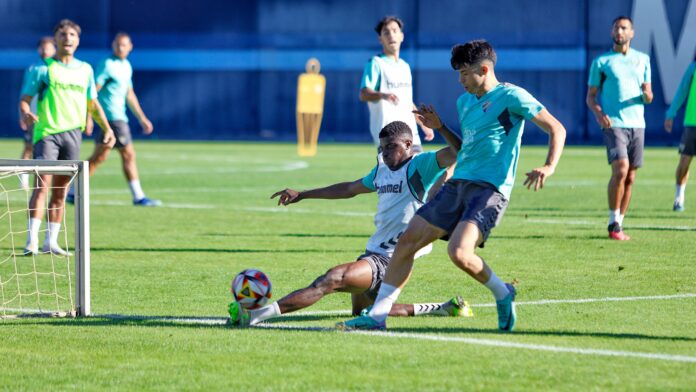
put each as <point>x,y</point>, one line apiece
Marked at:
<point>620,220</point>
<point>52,234</point>
<point>497,287</point>
<point>34,226</point>
<point>432,309</point>
<point>136,189</point>
<point>386,297</point>
<point>24,180</point>
<point>679,194</point>
<point>614,216</point>
<point>261,314</point>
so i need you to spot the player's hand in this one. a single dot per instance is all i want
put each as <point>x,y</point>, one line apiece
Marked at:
<point>428,117</point>
<point>89,126</point>
<point>537,177</point>
<point>108,137</point>
<point>668,125</point>
<point>287,196</point>
<point>29,119</point>
<point>23,125</point>
<point>603,120</point>
<point>147,126</point>
<point>391,98</point>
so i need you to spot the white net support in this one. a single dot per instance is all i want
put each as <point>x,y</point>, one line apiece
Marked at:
<point>43,284</point>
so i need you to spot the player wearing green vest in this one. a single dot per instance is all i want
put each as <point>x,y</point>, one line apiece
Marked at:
<point>115,87</point>
<point>491,119</point>
<point>687,146</point>
<point>66,92</point>
<point>46,48</point>
<point>621,78</point>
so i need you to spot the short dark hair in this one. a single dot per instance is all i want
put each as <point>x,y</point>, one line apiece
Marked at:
<point>472,52</point>
<point>622,17</point>
<point>67,23</point>
<point>396,129</point>
<point>46,40</point>
<point>388,19</point>
<point>121,34</point>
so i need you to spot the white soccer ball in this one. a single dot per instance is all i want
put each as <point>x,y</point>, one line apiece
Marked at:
<point>251,288</point>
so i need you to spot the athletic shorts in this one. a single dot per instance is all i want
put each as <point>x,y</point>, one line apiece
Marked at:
<point>379,264</point>
<point>64,146</point>
<point>121,132</point>
<point>687,146</point>
<point>28,135</point>
<point>465,201</point>
<point>625,143</point>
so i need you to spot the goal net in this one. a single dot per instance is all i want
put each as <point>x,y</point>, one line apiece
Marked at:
<point>43,284</point>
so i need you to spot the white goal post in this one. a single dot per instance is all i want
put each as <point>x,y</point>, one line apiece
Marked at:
<point>25,281</point>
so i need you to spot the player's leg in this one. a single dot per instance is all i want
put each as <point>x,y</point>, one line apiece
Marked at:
<point>687,149</point>
<point>47,149</point>
<point>616,141</point>
<point>628,191</point>
<point>130,170</point>
<point>100,153</point>
<point>634,152</point>
<point>26,154</point>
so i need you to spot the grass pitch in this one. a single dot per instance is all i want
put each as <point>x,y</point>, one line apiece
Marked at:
<point>160,284</point>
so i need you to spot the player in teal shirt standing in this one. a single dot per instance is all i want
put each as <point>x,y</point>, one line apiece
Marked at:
<point>115,85</point>
<point>687,146</point>
<point>471,204</point>
<point>621,78</point>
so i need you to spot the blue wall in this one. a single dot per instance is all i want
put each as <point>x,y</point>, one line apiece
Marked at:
<point>219,69</point>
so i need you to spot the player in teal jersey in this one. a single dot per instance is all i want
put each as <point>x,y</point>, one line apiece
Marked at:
<point>115,86</point>
<point>491,120</point>
<point>687,146</point>
<point>401,180</point>
<point>66,90</point>
<point>46,49</point>
<point>622,76</point>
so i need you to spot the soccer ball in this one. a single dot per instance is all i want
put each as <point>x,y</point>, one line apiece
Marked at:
<point>251,288</point>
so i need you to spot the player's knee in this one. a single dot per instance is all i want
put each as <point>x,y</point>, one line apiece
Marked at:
<point>409,242</point>
<point>630,178</point>
<point>128,155</point>
<point>462,257</point>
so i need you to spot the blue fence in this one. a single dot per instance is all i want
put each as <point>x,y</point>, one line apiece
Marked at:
<point>220,69</point>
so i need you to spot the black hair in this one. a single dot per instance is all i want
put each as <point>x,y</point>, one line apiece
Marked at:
<point>387,19</point>
<point>396,129</point>
<point>67,23</point>
<point>622,17</point>
<point>471,53</point>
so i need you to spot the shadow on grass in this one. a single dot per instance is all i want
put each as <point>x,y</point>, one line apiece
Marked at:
<point>279,324</point>
<point>217,250</point>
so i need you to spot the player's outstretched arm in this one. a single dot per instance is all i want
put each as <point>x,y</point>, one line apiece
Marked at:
<point>557,135</point>
<point>95,109</point>
<point>342,190</point>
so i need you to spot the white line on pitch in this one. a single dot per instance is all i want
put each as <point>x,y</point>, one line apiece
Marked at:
<point>593,223</point>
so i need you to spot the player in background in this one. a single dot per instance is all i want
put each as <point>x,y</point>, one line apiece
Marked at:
<point>687,146</point>
<point>46,48</point>
<point>115,86</point>
<point>401,179</point>
<point>66,90</point>
<point>472,202</point>
<point>387,87</point>
<point>621,78</point>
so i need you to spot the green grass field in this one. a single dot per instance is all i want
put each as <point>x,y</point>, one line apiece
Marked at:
<point>174,264</point>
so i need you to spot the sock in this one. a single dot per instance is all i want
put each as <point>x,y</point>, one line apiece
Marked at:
<point>268,311</point>
<point>432,309</point>
<point>614,216</point>
<point>34,226</point>
<point>620,220</point>
<point>679,195</point>
<point>52,234</point>
<point>385,299</point>
<point>136,190</point>
<point>24,180</point>
<point>497,287</point>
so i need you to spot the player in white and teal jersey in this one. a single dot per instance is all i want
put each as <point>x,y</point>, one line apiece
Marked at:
<point>66,90</point>
<point>401,180</point>
<point>621,78</point>
<point>46,49</point>
<point>470,205</point>
<point>115,86</point>
<point>687,146</point>
<point>387,84</point>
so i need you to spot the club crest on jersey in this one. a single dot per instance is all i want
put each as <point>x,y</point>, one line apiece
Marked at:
<point>485,106</point>
<point>391,188</point>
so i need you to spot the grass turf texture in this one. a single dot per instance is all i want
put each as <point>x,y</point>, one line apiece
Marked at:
<point>177,261</point>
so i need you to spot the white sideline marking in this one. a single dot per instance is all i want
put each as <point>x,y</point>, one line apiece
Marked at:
<point>279,209</point>
<point>164,204</point>
<point>594,223</point>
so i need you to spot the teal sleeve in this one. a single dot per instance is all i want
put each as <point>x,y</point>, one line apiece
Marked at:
<point>682,92</point>
<point>92,88</point>
<point>370,77</point>
<point>524,104</point>
<point>369,180</point>
<point>428,168</point>
<point>594,77</point>
<point>101,73</point>
<point>647,77</point>
<point>34,77</point>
